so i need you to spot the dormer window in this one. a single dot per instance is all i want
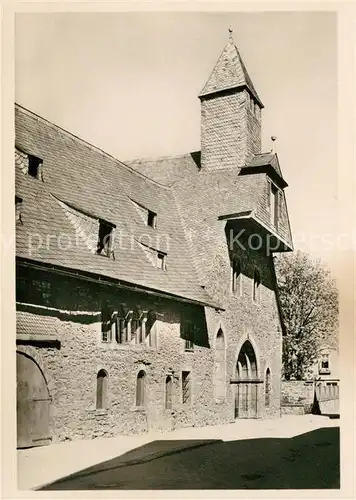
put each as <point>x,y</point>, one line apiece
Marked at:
<point>148,216</point>
<point>151,219</point>
<point>35,167</point>
<point>18,208</point>
<point>161,260</point>
<point>105,239</point>
<point>156,257</point>
<point>29,164</point>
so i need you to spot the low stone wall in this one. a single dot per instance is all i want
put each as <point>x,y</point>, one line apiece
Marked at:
<point>292,409</point>
<point>297,396</point>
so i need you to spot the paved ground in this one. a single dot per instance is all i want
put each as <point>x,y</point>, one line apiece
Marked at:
<point>291,452</point>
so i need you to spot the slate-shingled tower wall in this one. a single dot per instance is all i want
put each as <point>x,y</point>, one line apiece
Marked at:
<point>230,114</point>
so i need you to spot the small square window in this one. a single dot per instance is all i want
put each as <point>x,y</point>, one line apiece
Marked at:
<point>104,239</point>
<point>151,219</point>
<point>161,260</point>
<point>325,361</point>
<point>34,166</point>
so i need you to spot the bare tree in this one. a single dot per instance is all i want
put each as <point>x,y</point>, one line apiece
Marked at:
<point>309,303</point>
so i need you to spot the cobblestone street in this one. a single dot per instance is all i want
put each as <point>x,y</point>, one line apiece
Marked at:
<point>291,452</point>
<point>307,461</point>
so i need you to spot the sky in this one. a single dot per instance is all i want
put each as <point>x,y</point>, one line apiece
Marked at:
<point>128,83</point>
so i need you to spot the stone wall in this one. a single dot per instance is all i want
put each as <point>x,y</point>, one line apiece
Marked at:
<point>297,395</point>
<point>71,370</point>
<point>243,318</point>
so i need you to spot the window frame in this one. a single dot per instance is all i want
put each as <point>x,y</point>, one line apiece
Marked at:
<point>326,360</point>
<point>151,219</point>
<point>34,169</point>
<point>140,400</point>
<point>186,383</point>
<point>102,381</point>
<point>168,394</point>
<point>161,260</point>
<point>105,241</point>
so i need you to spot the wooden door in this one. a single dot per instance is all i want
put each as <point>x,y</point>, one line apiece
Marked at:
<point>246,394</point>
<point>246,400</point>
<point>33,404</point>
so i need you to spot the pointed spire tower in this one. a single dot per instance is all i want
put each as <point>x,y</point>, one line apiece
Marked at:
<point>230,114</point>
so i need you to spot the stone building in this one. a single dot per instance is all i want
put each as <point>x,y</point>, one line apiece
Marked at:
<point>146,291</point>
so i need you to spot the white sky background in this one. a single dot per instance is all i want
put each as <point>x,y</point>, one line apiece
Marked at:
<point>128,83</point>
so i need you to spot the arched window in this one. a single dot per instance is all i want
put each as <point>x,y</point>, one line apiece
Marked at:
<point>268,387</point>
<point>101,389</point>
<point>140,388</point>
<point>220,371</point>
<point>256,286</point>
<point>168,400</point>
<point>246,392</point>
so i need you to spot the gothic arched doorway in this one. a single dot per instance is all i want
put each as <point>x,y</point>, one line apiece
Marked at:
<point>246,394</point>
<point>33,403</point>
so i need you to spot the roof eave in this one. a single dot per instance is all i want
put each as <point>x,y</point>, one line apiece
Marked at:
<point>205,95</point>
<point>283,245</point>
<point>107,280</point>
<point>263,169</point>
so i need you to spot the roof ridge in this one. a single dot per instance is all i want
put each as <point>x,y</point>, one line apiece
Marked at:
<point>88,144</point>
<point>163,157</point>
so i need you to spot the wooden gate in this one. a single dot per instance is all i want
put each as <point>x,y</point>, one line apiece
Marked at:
<point>246,399</point>
<point>33,404</point>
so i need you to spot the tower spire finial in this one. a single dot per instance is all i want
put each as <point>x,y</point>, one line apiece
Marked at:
<point>230,33</point>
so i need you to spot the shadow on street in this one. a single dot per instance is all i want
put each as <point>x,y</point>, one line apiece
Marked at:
<point>307,461</point>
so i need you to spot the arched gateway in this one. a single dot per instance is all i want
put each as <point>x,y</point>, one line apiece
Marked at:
<point>246,393</point>
<point>33,403</point>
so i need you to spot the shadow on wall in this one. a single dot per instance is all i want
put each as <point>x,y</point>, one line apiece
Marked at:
<point>307,461</point>
<point>81,317</point>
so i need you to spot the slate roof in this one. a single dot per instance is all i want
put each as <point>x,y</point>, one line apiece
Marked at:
<point>81,175</point>
<point>259,163</point>
<point>211,194</point>
<point>229,72</point>
<point>35,325</point>
<point>167,169</point>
